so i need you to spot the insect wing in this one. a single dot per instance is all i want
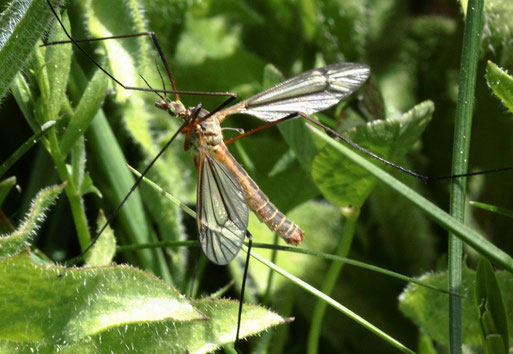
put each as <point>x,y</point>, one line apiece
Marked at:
<point>310,92</point>
<point>222,211</point>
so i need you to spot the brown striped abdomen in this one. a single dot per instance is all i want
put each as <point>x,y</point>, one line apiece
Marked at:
<point>258,201</point>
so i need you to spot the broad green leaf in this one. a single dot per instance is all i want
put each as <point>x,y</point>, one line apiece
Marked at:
<point>87,309</point>
<point>346,184</point>
<point>171,336</point>
<point>46,305</point>
<point>492,314</point>
<point>23,23</point>
<point>19,239</point>
<point>501,83</point>
<point>104,249</point>
<point>429,309</point>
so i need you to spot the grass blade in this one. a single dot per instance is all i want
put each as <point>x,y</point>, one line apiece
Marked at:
<point>460,156</point>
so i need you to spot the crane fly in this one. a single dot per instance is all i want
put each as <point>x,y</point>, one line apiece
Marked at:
<point>225,190</point>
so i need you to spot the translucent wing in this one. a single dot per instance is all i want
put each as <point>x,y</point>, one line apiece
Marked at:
<point>310,92</point>
<point>222,211</point>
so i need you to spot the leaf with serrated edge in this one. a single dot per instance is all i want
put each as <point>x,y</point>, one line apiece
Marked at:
<point>110,309</point>
<point>19,239</point>
<point>40,306</point>
<point>501,83</point>
<point>344,183</point>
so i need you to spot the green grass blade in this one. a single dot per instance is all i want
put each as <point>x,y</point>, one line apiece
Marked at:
<point>493,208</point>
<point>332,302</point>
<point>460,156</point>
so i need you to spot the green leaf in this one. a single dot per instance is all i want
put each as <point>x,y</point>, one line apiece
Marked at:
<point>78,162</point>
<point>493,208</point>
<point>88,308</point>
<point>23,23</point>
<point>25,99</point>
<point>87,186</point>
<point>492,314</point>
<point>501,83</point>
<point>389,139</point>
<point>498,30</point>
<point>126,58</point>
<point>5,187</point>
<point>104,249</point>
<point>429,309</point>
<point>86,110</point>
<point>58,63</point>
<point>19,239</point>
<point>81,302</point>
<point>207,38</point>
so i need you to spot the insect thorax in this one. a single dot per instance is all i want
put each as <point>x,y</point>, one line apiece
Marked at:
<point>209,129</point>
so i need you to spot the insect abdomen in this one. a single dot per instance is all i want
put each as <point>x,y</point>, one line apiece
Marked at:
<point>259,202</point>
<point>272,217</point>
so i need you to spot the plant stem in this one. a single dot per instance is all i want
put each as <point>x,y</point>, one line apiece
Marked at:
<point>463,123</point>
<point>72,192</point>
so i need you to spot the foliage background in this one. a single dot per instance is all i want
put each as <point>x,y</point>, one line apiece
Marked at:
<point>413,49</point>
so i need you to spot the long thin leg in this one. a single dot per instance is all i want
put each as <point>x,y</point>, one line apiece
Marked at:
<point>243,287</point>
<point>359,148</point>
<point>133,88</point>
<point>332,132</point>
